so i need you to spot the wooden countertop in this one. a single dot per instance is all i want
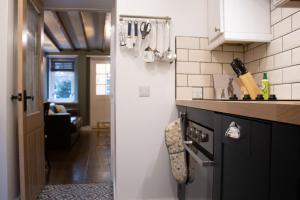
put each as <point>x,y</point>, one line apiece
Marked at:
<point>279,111</point>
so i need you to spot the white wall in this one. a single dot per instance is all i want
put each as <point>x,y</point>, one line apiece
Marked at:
<point>142,163</point>
<point>9,186</point>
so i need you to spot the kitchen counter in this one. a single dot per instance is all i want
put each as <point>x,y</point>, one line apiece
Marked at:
<point>279,111</point>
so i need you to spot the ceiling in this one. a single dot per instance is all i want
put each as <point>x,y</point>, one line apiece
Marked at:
<point>79,4</point>
<point>77,30</point>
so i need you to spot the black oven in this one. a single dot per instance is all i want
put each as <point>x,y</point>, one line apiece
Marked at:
<point>199,141</point>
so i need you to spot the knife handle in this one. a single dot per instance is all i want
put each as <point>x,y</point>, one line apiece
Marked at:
<point>136,28</point>
<point>129,28</point>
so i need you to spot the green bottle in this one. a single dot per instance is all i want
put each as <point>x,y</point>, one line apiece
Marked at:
<point>265,87</point>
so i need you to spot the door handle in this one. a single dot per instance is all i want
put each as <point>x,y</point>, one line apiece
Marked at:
<point>26,98</point>
<point>16,97</point>
<point>233,131</point>
<point>217,29</point>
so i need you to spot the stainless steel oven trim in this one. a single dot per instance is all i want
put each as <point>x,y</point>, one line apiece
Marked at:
<point>204,163</point>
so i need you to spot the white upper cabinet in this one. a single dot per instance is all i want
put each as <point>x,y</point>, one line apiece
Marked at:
<point>286,3</point>
<point>238,21</point>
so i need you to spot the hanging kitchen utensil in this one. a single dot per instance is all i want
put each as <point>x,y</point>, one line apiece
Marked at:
<point>122,35</point>
<point>157,54</point>
<point>136,34</point>
<point>149,55</point>
<point>145,29</point>
<point>129,40</point>
<point>169,55</point>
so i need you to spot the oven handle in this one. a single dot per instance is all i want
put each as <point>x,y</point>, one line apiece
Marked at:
<point>204,163</point>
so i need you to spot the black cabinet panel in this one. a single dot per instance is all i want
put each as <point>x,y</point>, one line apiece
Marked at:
<point>245,161</point>
<point>181,109</point>
<point>285,164</point>
<point>203,117</point>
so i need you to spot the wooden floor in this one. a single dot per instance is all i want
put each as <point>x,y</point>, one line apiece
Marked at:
<point>88,161</point>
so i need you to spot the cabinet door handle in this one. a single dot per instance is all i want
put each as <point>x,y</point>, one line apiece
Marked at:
<point>233,131</point>
<point>217,29</point>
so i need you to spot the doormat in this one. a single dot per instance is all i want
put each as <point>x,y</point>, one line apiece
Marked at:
<point>98,191</point>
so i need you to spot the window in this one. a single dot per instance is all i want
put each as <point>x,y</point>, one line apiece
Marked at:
<point>62,80</point>
<point>103,79</point>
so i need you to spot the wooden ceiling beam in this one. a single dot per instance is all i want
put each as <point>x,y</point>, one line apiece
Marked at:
<point>64,30</point>
<point>51,37</point>
<point>83,29</point>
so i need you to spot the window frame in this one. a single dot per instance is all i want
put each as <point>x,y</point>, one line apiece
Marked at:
<point>51,78</point>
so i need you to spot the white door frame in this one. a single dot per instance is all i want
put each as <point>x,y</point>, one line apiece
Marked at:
<point>93,62</point>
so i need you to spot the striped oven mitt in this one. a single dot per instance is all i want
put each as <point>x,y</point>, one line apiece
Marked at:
<point>174,142</point>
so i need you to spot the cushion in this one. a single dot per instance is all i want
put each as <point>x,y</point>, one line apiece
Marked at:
<point>50,112</point>
<point>61,109</point>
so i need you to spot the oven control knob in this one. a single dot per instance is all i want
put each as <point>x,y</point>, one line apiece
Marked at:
<point>203,137</point>
<point>196,135</point>
<point>191,131</point>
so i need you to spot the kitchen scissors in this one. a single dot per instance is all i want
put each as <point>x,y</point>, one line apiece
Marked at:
<point>145,29</point>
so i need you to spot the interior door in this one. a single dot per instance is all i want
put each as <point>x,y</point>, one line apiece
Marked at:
<point>99,91</point>
<point>215,18</point>
<point>30,110</point>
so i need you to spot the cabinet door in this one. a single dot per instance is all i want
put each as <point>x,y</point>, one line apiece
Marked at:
<point>215,18</point>
<point>246,160</point>
<point>285,162</point>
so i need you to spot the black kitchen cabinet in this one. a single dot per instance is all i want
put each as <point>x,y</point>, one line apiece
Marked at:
<point>242,165</point>
<point>285,162</point>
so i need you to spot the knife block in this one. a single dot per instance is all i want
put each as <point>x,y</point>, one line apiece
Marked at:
<point>248,83</point>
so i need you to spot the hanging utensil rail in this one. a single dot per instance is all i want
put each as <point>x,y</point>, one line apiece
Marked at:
<point>144,17</point>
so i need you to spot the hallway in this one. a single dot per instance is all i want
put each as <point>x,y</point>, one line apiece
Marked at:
<point>88,161</point>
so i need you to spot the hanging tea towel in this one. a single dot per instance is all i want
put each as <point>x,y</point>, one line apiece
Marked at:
<point>174,142</point>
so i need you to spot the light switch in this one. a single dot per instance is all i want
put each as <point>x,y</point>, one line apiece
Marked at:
<point>144,91</point>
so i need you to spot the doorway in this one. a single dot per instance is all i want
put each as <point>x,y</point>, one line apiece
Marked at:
<point>100,88</point>
<point>78,149</point>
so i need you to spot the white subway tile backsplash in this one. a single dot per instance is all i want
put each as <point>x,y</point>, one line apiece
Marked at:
<point>204,43</point>
<point>283,27</point>
<point>184,93</point>
<point>227,69</point>
<point>275,77</point>
<point>252,45</point>
<point>258,77</point>
<point>296,21</point>
<point>266,63</point>
<point>291,74</point>
<point>249,56</point>
<point>188,42</point>
<point>182,55</point>
<point>211,68</point>
<point>280,59</point>
<point>222,57</point>
<point>291,40</point>
<point>283,92</point>
<point>234,48</point>
<point>253,67</point>
<point>197,93</point>
<point>274,47</point>
<point>188,68</point>
<point>275,15</point>
<point>199,80</point>
<point>288,11</point>
<point>296,56</point>
<point>239,55</point>
<point>199,56</point>
<point>260,52</point>
<point>283,59</point>
<point>296,91</point>
<point>181,80</point>
<point>208,93</point>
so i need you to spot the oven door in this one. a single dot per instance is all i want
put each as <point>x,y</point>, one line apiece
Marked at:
<point>200,182</point>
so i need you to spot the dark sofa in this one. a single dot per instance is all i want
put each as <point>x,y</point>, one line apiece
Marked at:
<point>61,129</point>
